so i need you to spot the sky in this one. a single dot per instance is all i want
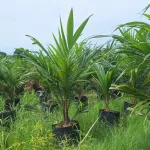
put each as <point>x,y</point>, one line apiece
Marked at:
<point>40,18</point>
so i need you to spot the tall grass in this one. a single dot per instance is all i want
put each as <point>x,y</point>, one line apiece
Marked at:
<point>32,129</point>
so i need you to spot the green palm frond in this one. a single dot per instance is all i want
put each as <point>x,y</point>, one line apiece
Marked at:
<point>104,79</point>
<point>12,76</point>
<point>132,91</point>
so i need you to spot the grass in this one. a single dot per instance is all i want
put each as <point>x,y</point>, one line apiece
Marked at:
<point>32,129</point>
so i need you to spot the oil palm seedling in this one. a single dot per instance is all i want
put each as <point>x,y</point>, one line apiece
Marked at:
<point>134,48</point>
<point>63,66</point>
<point>134,43</point>
<point>103,81</point>
<point>12,77</point>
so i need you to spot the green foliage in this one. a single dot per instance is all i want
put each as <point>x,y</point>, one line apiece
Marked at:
<point>2,54</point>
<point>32,130</point>
<point>134,44</point>
<point>64,68</point>
<point>104,79</point>
<point>132,91</point>
<point>12,77</point>
<point>64,64</point>
<point>19,53</point>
